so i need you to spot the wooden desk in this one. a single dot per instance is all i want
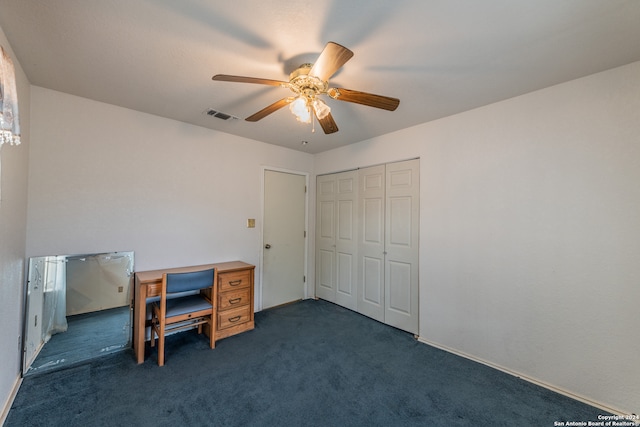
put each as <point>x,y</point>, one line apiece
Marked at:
<point>234,307</point>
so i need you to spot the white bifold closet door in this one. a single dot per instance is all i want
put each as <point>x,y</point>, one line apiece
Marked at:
<point>367,242</point>
<point>371,247</point>
<point>402,222</point>
<point>336,238</point>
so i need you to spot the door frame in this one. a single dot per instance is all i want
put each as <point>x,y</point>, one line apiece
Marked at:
<point>307,282</point>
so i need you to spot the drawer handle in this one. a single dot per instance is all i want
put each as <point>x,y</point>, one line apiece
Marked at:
<point>235,300</point>
<point>234,319</point>
<point>235,282</point>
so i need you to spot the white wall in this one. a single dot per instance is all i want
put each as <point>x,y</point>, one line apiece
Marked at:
<point>530,232</point>
<point>105,178</point>
<point>13,225</point>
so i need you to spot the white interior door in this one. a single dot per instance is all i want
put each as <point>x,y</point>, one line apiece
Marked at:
<point>401,245</point>
<point>371,248</point>
<point>284,238</point>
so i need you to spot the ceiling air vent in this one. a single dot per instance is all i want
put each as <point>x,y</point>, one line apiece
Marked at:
<point>219,114</point>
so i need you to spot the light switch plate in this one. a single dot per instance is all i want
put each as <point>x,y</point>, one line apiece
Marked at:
<point>251,223</point>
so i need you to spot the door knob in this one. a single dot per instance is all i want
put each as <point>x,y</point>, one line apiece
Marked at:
<point>267,246</point>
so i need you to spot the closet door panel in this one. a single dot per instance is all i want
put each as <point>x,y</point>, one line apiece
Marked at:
<point>400,222</point>
<point>336,242</point>
<point>346,241</point>
<point>326,188</point>
<point>373,223</point>
<point>371,247</point>
<point>400,292</point>
<point>326,221</point>
<point>324,282</point>
<point>345,284</point>
<point>373,287</point>
<point>401,237</point>
<point>367,242</point>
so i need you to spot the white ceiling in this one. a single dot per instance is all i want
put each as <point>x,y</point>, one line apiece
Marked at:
<point>439,57</point>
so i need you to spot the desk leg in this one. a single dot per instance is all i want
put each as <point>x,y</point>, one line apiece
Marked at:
<point>139,322</point>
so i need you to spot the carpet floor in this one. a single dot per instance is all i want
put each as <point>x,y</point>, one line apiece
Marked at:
<point>310,363</point>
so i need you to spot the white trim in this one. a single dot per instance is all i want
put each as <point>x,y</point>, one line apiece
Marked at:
<point>263,169</point>
<point>10,399</point>
<point>535,381</point>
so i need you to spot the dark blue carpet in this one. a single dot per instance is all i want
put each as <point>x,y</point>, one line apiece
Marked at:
<point>311,363</point>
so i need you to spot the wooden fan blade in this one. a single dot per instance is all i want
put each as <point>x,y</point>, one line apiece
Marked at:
<point>240,79</point>
<point>368,99</point>
<point>333,57</point>
<point>328,124</point>
<point>269,109</point>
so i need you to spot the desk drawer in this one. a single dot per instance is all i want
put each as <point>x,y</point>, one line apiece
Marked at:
<point>234,280</point>
<point>235,316</point>
<point>232,299</point>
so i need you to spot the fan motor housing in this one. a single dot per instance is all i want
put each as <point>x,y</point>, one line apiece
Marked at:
<point>301,82</point>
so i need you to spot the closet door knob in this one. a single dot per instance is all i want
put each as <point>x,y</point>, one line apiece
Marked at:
<point>267,246</point>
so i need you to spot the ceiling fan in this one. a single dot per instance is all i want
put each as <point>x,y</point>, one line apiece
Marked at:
<point>310,81</point>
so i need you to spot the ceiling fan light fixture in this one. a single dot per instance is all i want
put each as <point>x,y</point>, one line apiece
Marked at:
<point>322,110</point>
<point>300,108</point>
<point>310,81</point>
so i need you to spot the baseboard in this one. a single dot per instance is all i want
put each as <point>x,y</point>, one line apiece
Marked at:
<point>9,401</point>
<point>535,381</point>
